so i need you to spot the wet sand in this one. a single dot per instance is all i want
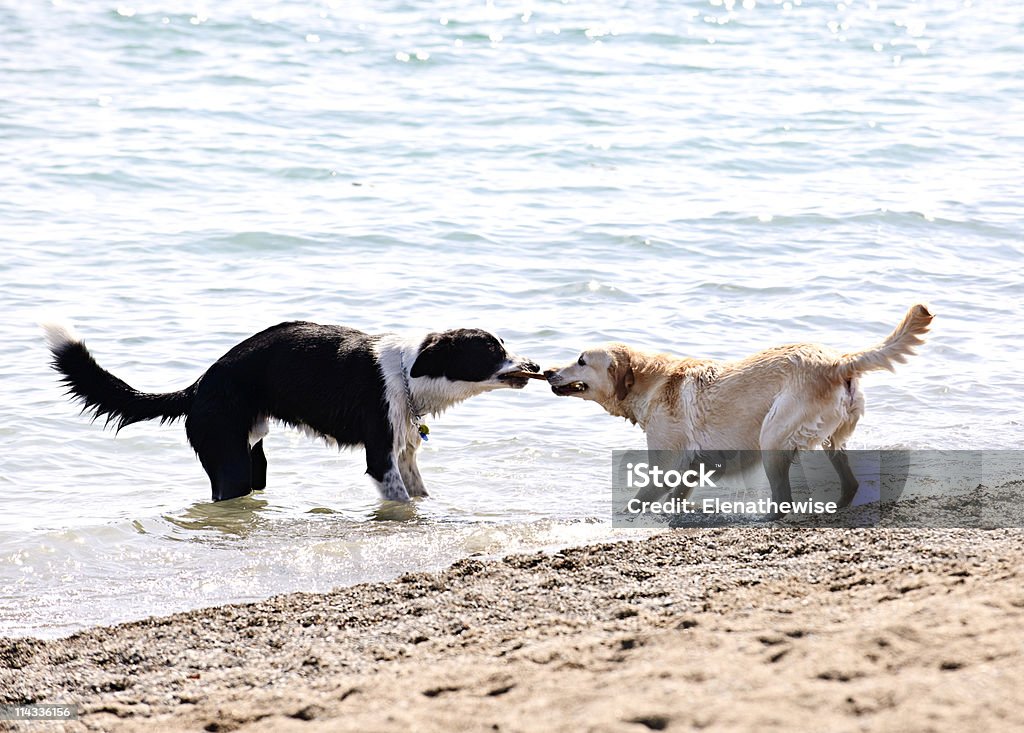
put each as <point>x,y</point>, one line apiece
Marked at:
<point>765,628</point>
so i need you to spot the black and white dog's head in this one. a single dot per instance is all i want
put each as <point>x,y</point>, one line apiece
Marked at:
<point>469,360</point>
<point>452,366</point>
<point>430,374</point>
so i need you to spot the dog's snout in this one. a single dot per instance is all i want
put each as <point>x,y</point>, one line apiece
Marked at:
<point>530,366</point>
<point>548,373</point>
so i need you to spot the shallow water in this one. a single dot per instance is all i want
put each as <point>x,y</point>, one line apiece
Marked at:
<point>704,178</point>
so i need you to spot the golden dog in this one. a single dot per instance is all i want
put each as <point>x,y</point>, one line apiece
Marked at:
<point>783,399</point>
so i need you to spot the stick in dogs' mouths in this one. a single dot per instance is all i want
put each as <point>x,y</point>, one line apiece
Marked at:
<point>519,378</point>
<point>523,375</point>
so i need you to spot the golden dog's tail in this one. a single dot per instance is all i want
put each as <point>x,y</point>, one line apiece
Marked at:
<point>894,350</point>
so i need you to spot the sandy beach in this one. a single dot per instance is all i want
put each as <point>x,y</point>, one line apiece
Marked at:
<point>716,629</point>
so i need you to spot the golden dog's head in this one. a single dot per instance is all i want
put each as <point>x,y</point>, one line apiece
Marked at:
<point>602,375</point>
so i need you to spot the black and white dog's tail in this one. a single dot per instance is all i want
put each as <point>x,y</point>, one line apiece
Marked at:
<point>103,394</point>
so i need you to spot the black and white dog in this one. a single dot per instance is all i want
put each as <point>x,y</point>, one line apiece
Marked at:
<point>338,383</point>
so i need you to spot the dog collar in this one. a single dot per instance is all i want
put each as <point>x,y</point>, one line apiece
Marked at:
<point>415,416</point>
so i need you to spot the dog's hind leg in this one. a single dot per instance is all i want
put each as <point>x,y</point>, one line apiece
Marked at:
<point>228,464</point>
<point>258,463</point>
<point>411,473</point>
<point>222,445</point>
<point>777,464</point>
<point>837,455</point>
<point>847,481</point>
<point>836,446</point>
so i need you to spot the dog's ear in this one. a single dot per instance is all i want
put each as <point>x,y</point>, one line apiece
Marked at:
<point>433,357</point>
<point>622,375</point>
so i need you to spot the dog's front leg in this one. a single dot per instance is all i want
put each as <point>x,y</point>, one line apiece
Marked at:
<point>651,492</point>
<point>411,472</point>
<point>382,465</point>
<point>392,486</point>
